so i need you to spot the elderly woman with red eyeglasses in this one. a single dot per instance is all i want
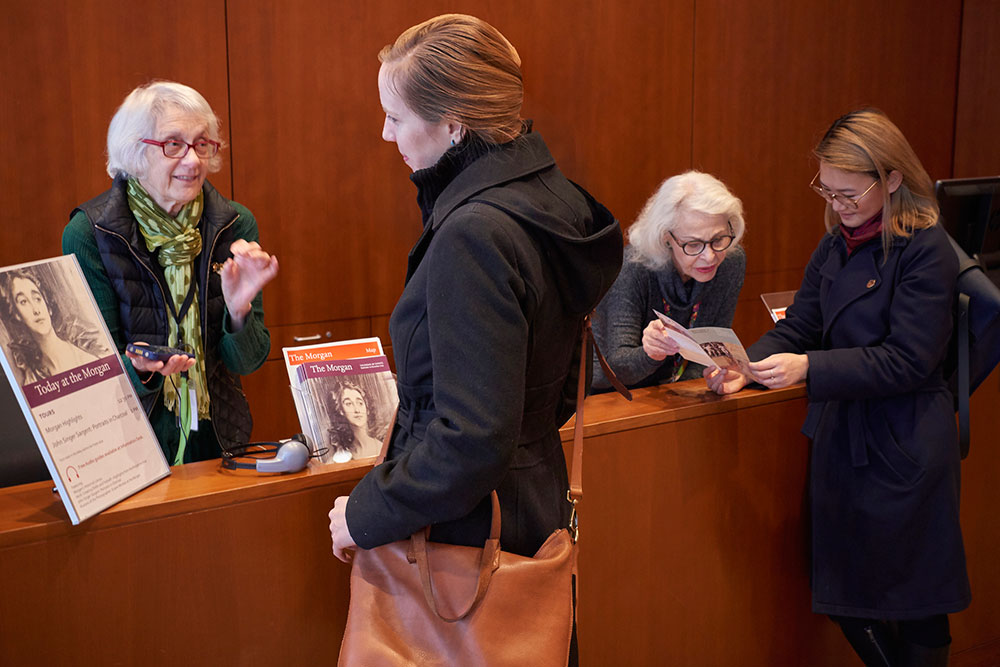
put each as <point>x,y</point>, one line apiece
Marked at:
<point>172,262</point>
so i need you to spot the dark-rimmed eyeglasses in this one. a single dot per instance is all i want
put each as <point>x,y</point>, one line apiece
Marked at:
<point>176,148</point>
<point>831,197</point>
<point>697,246</point>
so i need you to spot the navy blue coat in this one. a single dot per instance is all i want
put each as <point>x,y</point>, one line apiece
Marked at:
<point>884,468</point>
<point>486,338</point>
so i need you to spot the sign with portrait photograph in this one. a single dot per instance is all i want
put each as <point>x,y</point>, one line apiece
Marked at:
<point>71,385</point>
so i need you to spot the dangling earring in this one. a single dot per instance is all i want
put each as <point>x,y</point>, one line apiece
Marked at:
<point>452,142</point>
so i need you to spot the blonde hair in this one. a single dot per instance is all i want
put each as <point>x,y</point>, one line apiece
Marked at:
<point>690,192</point>
<point>136,120</point>
<point>459,68</point>
<point>867,142</point>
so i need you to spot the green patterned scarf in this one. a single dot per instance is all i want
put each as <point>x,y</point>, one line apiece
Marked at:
<point>179,242</point>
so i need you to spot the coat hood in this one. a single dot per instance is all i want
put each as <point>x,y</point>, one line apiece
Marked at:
<point>581,239</point>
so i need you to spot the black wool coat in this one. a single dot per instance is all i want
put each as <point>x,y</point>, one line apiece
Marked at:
<point>486,338</point>
<point>884,467</point>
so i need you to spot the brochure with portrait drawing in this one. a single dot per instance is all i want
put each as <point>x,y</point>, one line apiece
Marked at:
<point>345,396</point>
<point>708,346</point>
<point>70,383</point>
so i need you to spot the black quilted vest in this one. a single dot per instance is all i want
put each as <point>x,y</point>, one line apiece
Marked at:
<point>138,280</point>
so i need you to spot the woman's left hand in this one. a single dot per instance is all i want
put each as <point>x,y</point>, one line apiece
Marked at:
<point>343,543</point>
<point>244,276</point>
<point>781,370</point>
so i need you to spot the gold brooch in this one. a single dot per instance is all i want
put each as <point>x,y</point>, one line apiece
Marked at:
<point>871,283</point>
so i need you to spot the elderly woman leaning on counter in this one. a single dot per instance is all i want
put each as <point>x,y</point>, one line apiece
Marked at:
<point>172,262</point>
<point>684,260</point>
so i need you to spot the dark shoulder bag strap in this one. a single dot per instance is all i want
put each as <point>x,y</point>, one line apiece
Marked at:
<point>963,374</point>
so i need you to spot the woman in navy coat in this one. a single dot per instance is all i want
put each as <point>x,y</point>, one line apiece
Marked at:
<point>868,333</point>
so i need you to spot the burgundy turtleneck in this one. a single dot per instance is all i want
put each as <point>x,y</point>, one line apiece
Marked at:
<point>858,236</point>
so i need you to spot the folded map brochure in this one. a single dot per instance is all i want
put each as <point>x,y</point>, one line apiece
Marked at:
<point>708,346</point>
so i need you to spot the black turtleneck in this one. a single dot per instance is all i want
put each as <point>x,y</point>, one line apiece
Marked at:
<point>432,181</point>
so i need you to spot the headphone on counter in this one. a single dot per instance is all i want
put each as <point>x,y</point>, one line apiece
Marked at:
<point>290,455</point>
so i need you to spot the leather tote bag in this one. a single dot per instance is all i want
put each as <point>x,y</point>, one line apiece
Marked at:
<point>415,602</point>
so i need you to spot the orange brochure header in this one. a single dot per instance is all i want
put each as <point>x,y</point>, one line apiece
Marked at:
<point>333,351</point>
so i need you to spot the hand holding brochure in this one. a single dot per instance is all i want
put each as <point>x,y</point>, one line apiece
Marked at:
<point>708,346</point>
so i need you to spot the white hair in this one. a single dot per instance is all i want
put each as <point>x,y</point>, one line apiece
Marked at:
<point>690,192</point>
<point>136,120</point>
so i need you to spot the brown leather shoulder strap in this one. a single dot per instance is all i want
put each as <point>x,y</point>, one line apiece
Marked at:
<point>576,469</point>
<point>608,373</point>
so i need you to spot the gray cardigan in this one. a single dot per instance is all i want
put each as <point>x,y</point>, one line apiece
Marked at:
<point>628,306</point>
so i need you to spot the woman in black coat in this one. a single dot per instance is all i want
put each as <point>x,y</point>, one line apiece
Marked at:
<point>486,334</point>
<point>868,333</point>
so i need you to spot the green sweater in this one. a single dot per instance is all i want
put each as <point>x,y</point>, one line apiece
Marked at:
<point>242,352</point>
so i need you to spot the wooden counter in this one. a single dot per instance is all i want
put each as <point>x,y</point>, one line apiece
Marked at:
<point>694,542</point>
<point>692,551</point>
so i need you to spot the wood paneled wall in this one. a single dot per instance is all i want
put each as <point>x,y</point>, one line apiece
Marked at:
<point>977,117</point>
<point>625,93</point>
<point>65,66</point>
<point>769,83</point>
